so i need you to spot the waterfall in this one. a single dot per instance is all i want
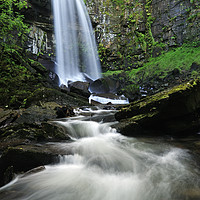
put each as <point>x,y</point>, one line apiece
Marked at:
<point>76,50</point>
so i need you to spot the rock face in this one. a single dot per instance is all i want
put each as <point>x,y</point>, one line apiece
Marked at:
<point>126,31</point>
<point>39,16</point>
<point>172,112</point>
<point>173,21</point>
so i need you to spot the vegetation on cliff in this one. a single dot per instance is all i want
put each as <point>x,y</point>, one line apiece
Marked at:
<point>172,67</point>
<point>15,68</point>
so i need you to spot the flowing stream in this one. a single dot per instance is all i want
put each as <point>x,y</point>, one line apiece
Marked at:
<point>101,164</point>
<point>76,50</point>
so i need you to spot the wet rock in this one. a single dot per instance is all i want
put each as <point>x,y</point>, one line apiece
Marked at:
<point>22,159</point>
<point>8,175</point>
<point>43,95</point>
<point>35,170</point>
<point>174,112</point>
<point>37,114</point>
<point>24,133</point>
<point>80,88</point>
<point>104,85</point>
<point>66,111</point>
<point>7,116</point>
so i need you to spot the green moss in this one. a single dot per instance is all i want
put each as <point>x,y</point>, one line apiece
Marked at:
<point>152,105</point>
<point>143,116</point>
<point>111,73</point>
<point>180,58</point>
<point>18,78</point>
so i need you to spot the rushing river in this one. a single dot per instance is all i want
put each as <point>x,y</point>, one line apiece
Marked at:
<point>104,165</point>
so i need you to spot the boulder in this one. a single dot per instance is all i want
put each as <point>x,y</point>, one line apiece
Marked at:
<point>24,133</point>
<point>42,95</point>
<point>66,111</point>
<point>80,88</point>
<point>104,85</point>
<point>7,116</point>
<point>22,159</point>
<point>171,112</point>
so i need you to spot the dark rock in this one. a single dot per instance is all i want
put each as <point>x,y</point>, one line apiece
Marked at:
<point>43,95</point>
<point>174,112</point>
<point>104,85</point>
<point>175,72</point>
<point>64,88</point>
<point>37,114</point>
<point>8,175</point>
<point>24,133</point>
<point>22,159</point>
<point>80,88</point>
<point>47,63</point>
<point>7,117</point>
<point>66,111</point>
<point>99,86</point>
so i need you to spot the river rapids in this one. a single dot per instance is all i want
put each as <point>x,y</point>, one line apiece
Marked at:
<point>101,164</point>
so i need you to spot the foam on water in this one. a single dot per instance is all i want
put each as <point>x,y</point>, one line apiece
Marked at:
<point>103,164</point>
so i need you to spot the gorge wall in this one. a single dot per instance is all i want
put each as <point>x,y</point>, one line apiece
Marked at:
<point>127,32</point>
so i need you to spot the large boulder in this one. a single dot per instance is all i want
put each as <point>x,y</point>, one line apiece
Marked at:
<point>80,88</point>
<point>104,85</point>
<point>24,158</point>
<point>173,111</point>
<point>43,94</point>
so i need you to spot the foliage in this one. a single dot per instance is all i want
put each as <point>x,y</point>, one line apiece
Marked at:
<point>180,58</point>
<point>18,78</point>
<point>110,73</point>
<point>170,68</point>
<point>15,69</point>
<point>13,30</point>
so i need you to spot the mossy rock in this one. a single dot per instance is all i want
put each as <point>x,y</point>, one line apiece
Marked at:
<point>24,158</point>
<point>42,95</point>
<point>173,111</point>
<point>44,132</point>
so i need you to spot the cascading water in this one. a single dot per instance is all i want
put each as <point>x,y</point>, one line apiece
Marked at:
<point>76,51</point>
<point>104,165</point>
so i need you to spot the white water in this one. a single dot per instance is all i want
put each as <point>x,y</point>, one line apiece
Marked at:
<point>76,50</point>
<point>103,100</point>
<point>104,165</point>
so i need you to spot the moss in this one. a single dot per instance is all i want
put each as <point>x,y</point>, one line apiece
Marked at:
<point>111,73</point>
<point>181,58</point>
<point>19,76</point>
<point>154,103</point>
<point>44,94</point>
<point>140,117</point>
<point>173,111</point>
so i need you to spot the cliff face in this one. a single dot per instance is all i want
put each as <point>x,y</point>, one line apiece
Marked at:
<point>127,31</point>
<point>39,16</point>
<point>175,21</point>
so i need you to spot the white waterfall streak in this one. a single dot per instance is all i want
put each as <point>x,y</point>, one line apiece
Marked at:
<point>76,51</point>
